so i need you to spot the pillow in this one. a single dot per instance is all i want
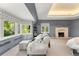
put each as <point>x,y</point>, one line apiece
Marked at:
<point>44,34</point>
<point>46,39</point>
<point>38,39</point>
<point>73,43</point>
<point>40,35</point>
<point>77,40</point>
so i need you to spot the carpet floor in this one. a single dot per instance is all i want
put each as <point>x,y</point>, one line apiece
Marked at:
<point>57,48</point>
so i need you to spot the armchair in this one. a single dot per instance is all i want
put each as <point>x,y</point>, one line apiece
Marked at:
<point>39,46</point>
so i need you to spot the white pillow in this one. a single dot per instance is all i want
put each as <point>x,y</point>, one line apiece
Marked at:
<point>44,34</point>
<point>72,43</point>
<point>40,35</point>
<point>38,39</point>
<point>46,39</point>
<point>76,40</point>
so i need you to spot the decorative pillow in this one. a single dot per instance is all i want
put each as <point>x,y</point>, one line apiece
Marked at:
<point>46,39</point>
<point>40,35</point>
<point>38,39</point>
<point>76,40</point>
<point>44,34</point>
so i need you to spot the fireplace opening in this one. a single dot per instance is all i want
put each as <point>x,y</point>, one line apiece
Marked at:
<point>61,34</point>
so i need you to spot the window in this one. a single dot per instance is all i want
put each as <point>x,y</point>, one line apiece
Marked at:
<point>45,28</point>
<point>9,28</point>
<point>26,28</point>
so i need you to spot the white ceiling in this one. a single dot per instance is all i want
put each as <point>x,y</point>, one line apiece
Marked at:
<point>43,9</point>
<point>17,9</point>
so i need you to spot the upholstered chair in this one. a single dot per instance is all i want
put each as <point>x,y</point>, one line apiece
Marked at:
<point>39,46</point>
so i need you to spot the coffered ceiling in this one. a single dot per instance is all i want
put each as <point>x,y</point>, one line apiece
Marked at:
<point>63,9</point>
<point>57,11</point>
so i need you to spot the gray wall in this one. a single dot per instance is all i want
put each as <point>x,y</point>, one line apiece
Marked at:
<point>74,28</point>
<point>54,24</point>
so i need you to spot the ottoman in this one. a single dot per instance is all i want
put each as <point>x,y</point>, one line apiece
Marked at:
<point>23,44</point>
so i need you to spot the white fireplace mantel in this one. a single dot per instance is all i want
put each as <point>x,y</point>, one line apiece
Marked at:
<point>61,29</point>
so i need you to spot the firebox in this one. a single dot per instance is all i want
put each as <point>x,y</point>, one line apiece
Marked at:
<point>60,34</point>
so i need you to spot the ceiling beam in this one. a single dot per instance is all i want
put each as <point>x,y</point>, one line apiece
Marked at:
<point>32,9</point>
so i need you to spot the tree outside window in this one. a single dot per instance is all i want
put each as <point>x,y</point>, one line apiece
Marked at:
<point>26,28</point>
<point>9,28</point>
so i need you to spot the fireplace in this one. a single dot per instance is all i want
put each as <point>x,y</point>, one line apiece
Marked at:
<point>60,34</point>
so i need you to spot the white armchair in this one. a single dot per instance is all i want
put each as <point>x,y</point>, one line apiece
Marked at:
<point>39,46</point>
